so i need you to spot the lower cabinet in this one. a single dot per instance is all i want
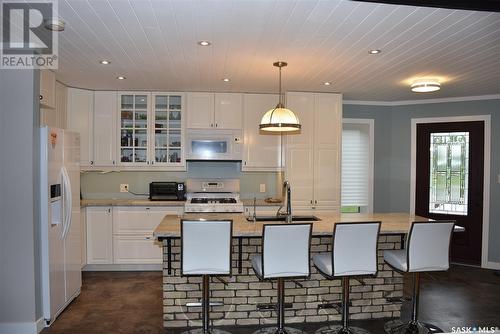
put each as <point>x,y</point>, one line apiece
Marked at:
<point>99,222</point>
<point>124,234</point>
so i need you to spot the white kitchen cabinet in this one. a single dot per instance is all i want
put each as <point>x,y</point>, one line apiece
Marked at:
<point>151,130</point>
<point>133,241</point>
<point>313,155</point>
<point>47,89</point>
<point>80,118</point>
<point>104,123</point>
<point>56,117</point>
<point>99,221</point>
<point>83,235</point>
<point>261,150</point>
<point>214,111</point>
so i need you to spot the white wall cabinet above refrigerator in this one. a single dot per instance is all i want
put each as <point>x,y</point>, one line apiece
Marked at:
<point>214,110</point>
<point>262,151</point>
<point>80,118</point>
<point>313,155</point>
<point>104,126</point>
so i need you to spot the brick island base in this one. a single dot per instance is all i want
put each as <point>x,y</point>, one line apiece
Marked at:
<point>244,291</point>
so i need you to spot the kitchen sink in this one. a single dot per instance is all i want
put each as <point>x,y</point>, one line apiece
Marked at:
<point>305,218</point>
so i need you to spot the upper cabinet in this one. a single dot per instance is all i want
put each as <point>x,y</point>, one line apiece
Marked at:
<point>313,154</point>
<point>80,114</point>
<point>47,89</point>
<point>261,149</point>
<point>214,110</point>
<point>104,123</point>
<point>151,129</point>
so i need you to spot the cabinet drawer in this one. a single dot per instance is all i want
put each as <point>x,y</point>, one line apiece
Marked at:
<point>136,220</point>
<point>136,249</point>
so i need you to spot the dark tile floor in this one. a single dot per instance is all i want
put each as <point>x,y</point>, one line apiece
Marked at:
<point>131,302</point>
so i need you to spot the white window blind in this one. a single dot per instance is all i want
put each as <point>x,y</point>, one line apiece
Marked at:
<point>355,164</point>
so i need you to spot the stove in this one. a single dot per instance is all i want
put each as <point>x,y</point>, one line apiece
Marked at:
<point>213,195</point>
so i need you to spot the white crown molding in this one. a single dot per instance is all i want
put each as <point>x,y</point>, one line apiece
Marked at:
<point>426,101</point>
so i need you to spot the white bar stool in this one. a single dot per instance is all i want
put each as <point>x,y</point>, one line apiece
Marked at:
<point>428,249</point>
<point>285,254</point>
<point>206,251</point>
<point>354,253</point>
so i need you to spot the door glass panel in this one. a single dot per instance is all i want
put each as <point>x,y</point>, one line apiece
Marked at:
<point>140,155</point>
<point>126,155</point>
<point>141,102</point>
<point>174,155</point>
<point>175,102</point>
<point>127,101</point>
<point>449,168</point>
<point>161,102</point>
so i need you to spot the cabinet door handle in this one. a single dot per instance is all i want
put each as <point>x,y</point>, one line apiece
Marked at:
<point>311,201</point>
<point>211,125</point>
<point>215,124</point>
<point>114,162</point>
<point>315,202</point>
<point>109,210</point>
<point>40,97</point>
<point>148,238</point>
<point>91,162</point>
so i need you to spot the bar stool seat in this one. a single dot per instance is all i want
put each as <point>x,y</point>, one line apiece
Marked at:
<point>285,254</point>
<point>397,259</point>
<point>206,252</point>
<point>427,250</point>
<point>354,253</point>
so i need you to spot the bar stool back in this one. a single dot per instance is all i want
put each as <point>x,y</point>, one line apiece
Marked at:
<point>285,254</point>
<point>206,251</point>
<point>354,253</point>
<point>428,249</point>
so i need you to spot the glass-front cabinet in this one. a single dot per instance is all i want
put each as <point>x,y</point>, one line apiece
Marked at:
<point>151,129</point>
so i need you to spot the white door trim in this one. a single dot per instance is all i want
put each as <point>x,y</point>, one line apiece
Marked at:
<point>487,165</point>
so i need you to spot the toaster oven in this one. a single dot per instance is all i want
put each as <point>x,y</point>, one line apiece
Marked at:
<point>167,191</point>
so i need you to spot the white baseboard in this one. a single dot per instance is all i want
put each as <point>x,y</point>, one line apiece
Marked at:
<point>492,265</point>
<point>19,328</point>
<point>123,267</point>
<point>40,325</point>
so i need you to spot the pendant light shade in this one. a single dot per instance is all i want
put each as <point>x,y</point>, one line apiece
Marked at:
<point>280,119</point>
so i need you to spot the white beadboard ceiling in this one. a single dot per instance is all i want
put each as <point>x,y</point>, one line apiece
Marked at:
<point>154,44</point>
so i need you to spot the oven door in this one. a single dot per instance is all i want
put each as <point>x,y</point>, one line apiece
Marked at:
<point>224,145</point>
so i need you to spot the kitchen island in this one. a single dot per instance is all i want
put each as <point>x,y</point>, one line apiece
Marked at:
<point>246,299</point>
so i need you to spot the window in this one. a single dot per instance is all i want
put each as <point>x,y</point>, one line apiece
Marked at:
<point>357,166</point>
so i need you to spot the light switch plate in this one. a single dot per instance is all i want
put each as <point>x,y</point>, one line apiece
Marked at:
<point>262,188</point>
<point>124,188</point>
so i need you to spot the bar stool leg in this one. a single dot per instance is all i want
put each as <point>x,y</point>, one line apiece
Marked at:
<point>344,328</point>
<point>414,326</point>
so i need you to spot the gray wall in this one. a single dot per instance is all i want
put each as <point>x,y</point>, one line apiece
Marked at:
<point>19,260</point>
<point>393,148</point>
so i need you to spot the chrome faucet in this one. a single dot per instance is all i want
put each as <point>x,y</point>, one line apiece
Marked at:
<point>288,212</point>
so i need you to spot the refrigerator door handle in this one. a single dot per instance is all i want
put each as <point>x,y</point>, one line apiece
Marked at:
<point>68,202</point>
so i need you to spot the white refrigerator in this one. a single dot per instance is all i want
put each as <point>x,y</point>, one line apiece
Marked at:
<point>60,219</point>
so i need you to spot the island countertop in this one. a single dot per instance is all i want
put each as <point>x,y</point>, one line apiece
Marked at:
<point>392,223</point>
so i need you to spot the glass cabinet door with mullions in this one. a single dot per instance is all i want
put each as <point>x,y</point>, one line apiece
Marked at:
<point>167,121</point>
<point>134,128</point>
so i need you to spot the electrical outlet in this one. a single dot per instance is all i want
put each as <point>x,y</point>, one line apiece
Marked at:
<point>262,187</point>
<point>124,188</point>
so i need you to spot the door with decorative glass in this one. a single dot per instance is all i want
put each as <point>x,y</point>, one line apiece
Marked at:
<point>449,181</point>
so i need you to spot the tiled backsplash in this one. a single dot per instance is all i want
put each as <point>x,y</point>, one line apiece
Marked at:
<point>100,185</point>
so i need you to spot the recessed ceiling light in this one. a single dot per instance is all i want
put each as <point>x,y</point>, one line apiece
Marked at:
<point>54,24</point>
<point>204,43</point>
<point>374,52</point>
<point>105,62</point>
<point>226,79</point>
<point>426,86</point>
<point>121,77</point>
<point>327,83</point>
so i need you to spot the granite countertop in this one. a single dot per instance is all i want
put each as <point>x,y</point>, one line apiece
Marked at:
<point>392,223</point>
<point>147,202</point>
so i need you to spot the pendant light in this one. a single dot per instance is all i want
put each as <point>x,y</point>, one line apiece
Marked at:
<point>280,119</point>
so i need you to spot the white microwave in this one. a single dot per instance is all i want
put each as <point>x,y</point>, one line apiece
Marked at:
<point>214,145</point>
